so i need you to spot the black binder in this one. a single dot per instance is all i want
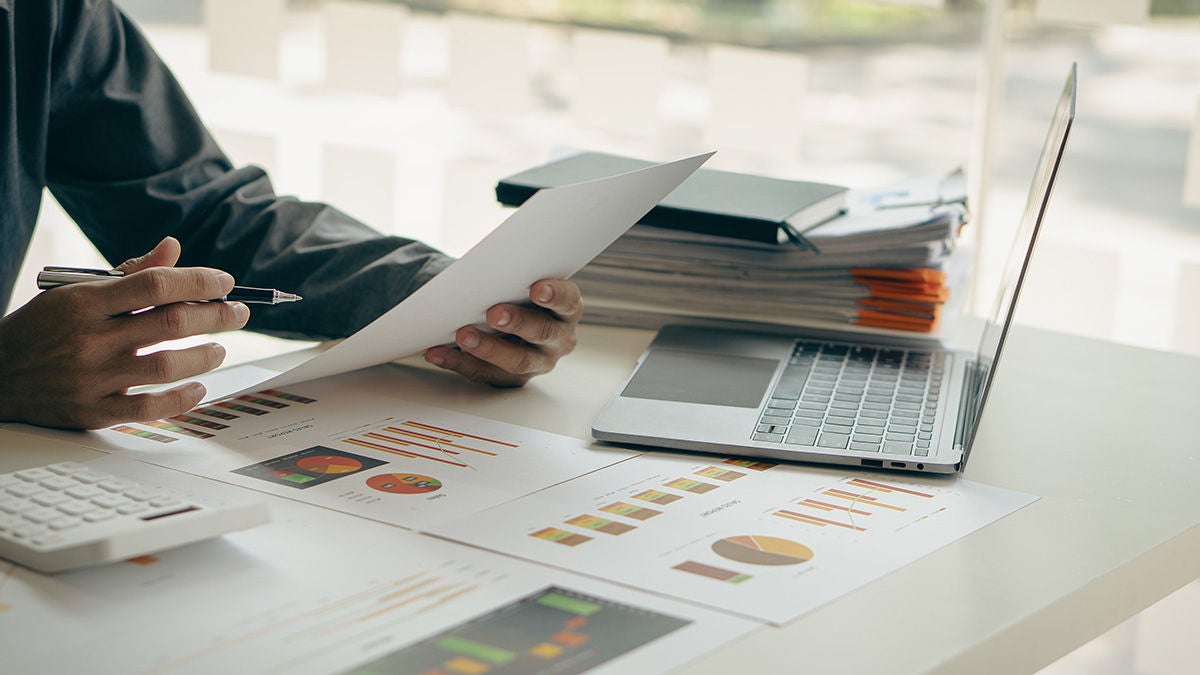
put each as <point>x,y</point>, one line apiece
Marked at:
<point>721,203</point>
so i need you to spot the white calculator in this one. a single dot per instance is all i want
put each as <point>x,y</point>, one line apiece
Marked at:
<point>69,515</point>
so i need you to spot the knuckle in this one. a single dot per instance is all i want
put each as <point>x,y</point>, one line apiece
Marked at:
<point>176,320</point>
<point>527,363</point>
<point>158,284</point>
<point>161,366</point>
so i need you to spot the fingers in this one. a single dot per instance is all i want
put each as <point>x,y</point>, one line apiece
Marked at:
<point>146,407</point>
<point>473,368</point>
<point>164,254</point>
<point>168,365</point>
<point>161,286</point>
<point>180,320</point>
<point>559,296</point>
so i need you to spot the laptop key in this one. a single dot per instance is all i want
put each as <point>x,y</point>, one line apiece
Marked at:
<point>769,438</point>
<point>904,438</point>
<point>897,448</point>
<point>867,438</point>
<point>864,447</point>
<point>801,436</point>
<point>811,414</point>
<point>835,412</point>
<point>837,441</point>
<point>921,452</point>
<point>807,422</point>
<point>775,419</point>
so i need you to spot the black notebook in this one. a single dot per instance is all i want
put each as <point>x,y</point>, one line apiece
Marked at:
<point>721,203</point>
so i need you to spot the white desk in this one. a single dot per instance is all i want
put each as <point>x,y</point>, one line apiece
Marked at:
<point>1109,436</point>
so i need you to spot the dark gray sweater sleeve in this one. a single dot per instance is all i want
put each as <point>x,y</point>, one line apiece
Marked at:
<point>131,162</point>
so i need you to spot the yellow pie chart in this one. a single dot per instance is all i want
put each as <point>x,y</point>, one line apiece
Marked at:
<point>762,550</point>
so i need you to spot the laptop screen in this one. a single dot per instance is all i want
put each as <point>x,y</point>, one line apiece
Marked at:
<point>997,324</point>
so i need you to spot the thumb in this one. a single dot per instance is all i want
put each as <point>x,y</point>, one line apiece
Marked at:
<point>165,254</point>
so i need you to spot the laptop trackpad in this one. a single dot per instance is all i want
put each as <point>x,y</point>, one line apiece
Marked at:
<point>693,377</point>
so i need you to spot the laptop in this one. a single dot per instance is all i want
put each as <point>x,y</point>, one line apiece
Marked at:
<point>842,401</point>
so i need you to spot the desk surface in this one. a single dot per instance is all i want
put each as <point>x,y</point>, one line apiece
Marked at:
<point>1105,434</point>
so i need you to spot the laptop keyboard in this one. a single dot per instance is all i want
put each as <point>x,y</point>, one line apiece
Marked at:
<point>843,397</point>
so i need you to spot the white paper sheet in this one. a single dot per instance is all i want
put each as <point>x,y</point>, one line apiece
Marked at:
<point>320,592</point>
<point>343,443</point>
<point>552,235</point>
<point>765,541</point>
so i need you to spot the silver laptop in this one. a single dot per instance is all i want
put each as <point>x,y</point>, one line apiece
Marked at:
<point>842,401</point>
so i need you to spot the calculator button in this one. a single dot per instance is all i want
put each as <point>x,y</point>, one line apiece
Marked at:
<point>110,501</point>
<point>7,523</point>
<point>9,479</point>
<point>28,531</point>
<point>116,485</point>
<point>34,475</point>
<point>24,490</point>
<point>132,508</point>
<point>41,515</point>
<point>90,476</point>
<point>49,498</point>
<point>49,539</point>
<point>76,508</point>
<point>64,523</point>
<point>66,468</point>
<point>15,505</point>
<point>58,483</point>
<point>165,501</point>
<point>139,494</point>
<point>97,516</point>
<point>85,492</point>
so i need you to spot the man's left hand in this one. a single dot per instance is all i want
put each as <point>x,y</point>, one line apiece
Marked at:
<point>529,340</point>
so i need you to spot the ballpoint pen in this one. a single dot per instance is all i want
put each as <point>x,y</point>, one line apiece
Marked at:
<point>53,277</point>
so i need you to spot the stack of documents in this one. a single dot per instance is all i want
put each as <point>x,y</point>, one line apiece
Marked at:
<point>891,262</point>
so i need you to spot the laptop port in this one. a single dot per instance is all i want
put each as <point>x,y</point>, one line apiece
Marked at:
<point>877,463</point>
<point>899,465</point>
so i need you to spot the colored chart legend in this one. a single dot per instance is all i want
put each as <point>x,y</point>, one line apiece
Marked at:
<point>213,412</point>
<point>175,428</point>
<point>712,572</point>
<point>265,402</point>
<point>560,536</point>
<point>242,408</point>
<point>657,496</point>
<point>207,424</point>
<point>142,433</point>
<point>294,398</point>
<point>600,524</point>
<point>417,440</point>
<point>751,464</point>
<point>689,485</point>
<point>630,511</point>
<point>718,473</point>
<point>762,550</point>
<point>552,631</point>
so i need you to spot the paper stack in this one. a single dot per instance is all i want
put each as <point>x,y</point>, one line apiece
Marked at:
<point>891,263</point>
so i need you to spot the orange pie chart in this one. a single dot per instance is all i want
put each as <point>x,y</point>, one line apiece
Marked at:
<point>329,464</point>
<point>762,550</point>
<point>404,483</point>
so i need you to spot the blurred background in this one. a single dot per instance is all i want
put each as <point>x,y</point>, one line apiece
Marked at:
<point>405,114</point>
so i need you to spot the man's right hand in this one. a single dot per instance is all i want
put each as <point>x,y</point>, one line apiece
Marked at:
<point>69,356</point>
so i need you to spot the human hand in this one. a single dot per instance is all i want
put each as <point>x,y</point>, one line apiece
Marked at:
<point>530,340</point>
<point>69,356</point>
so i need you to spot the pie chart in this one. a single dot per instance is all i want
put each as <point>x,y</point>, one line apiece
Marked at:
<point>404,483</point>
<point>762,550</point>
<point>329,464</point>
